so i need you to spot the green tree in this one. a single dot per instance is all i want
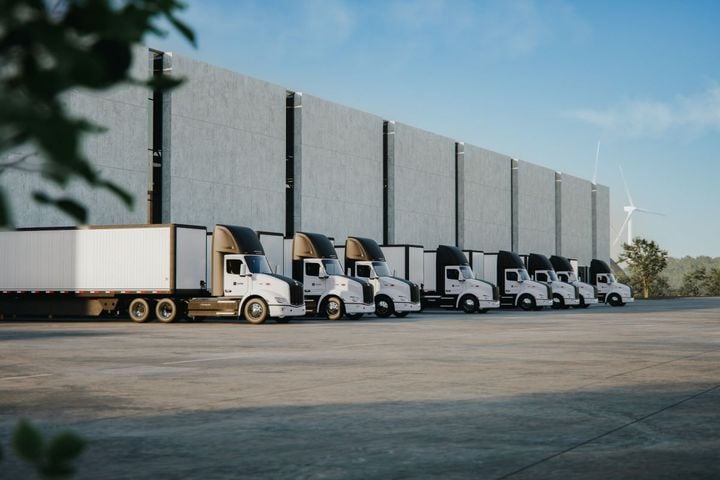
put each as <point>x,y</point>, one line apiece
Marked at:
<point>646,261</point>
<point>48,48</point>
<point>694,282</point>
<point>712,282</point>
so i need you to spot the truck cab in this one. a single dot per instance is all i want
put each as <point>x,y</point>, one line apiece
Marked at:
<point>328,291</point>
<point>393,295</point>
<point>243,283</point>
<point>451,283</point>
<point>541,270</point>
<point>609,289</point>
<point>517,289</point>
<point>566,273</point>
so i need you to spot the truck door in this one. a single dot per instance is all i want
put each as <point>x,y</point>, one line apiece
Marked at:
<point>236,279</point>
<point>602,283</point>
<point>512,282</point>
<point>453,285</point>
<point>365,271</point>
<point>312,282</point>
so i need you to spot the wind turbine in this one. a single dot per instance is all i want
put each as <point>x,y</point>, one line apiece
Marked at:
<point>630,210</point>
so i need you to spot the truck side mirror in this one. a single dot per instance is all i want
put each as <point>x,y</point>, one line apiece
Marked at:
<point>323,274</point>
<point>243,270</point>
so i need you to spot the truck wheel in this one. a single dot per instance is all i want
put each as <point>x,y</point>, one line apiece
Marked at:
<point>558,302</point>
<point>401,314</point>
<point>139,310</point>
<point>333,308</point>
<point>384,306</point>
<point>469,304</point>
<point>166,310</point>
<point>256,311</point>
<point>526,302</point>
<point>615,300</point>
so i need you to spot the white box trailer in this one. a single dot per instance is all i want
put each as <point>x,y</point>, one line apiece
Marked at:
<point>140,269</point>
<point>406,261</point>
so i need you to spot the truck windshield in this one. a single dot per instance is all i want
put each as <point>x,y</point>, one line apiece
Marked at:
<point>611,278</point>
<point>381,269</point>
<point>524,275</point>
<point>467,272</point>
<point>332,267</point>
<point>257,264</point>
<point>571,277</point>
<point>552,276</point>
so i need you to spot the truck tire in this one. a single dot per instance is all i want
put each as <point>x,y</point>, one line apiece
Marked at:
<point>469,304</point>
<point>526,302</point>
<point>166,310</point>
<point>615,300</point>
<point>558,302</point>
<point>139,310</point>
<point>384,306</point>
<point>333,308</point>
<point>256,311</point>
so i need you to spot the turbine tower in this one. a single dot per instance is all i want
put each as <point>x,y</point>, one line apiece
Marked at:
<point>630,210</point>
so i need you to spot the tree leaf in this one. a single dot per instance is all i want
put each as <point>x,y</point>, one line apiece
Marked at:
<point>28,442</point>
<point>65,204</point>
<point>64,448</point>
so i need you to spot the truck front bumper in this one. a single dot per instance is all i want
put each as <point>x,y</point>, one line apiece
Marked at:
<point>591,300</point>
<point>359,308</point>
<point>543,302</point>
<point>282,311</point>
<point>407,307</point>
<point>486,304</point>
<point>628,299</point>
<point>572,301</point>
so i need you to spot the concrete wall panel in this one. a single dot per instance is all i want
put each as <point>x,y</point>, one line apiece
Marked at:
<point>224,149</point>
<point>423,187</point>
<point>575,219</point>
<point>536,209</point>
<point>602,225</point>
<point>119,154</point>
<point>485,201</point>
<point>340,186</point>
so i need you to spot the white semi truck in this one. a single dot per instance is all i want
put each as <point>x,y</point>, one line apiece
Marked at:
<point>566,273</point>
<point>312,259</point>
<point>608,288</point>
<point>507,270</point>
<point>144,271</point>
<point>364,258</point>
<point>541,270</point>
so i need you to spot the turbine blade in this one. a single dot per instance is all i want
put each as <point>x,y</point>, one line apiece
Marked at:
<point>644,210</point>
<point>627,190</point>
<point>622,227</point>
<point>597,158</point>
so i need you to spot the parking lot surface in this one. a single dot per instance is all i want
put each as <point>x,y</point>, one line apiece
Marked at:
<point>631,392</point>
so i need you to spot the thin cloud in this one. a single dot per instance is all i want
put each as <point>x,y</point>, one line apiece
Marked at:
<point>696,112</point>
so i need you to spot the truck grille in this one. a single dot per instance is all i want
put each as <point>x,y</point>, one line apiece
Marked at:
<point>549,291</point>
<point>496,292</point>
<point>368,294</point>
<point>577,291</point>
<point>414,293</point>
<point>296,294</point>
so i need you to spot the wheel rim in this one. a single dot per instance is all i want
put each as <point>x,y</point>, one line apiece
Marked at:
<point>256,310</point>
<point>139,310</point>
<point>166,310</point>
<point>469,305</point>
<point>333,307</point>
<point>382,306</point>
<point>527,302</point>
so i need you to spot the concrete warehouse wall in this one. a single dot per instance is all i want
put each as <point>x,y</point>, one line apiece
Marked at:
<point>421,187</point>
<point>535,209</point>
<point>484,199</point>
<point>575,218</point>
<point>120,154</point>
<point>223,149</point>
<point>601,217</point>
<point>338,170</point>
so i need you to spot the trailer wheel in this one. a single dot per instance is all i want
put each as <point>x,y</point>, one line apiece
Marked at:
<point>526,302</point>
<point>615,300</point>
<point>256,311</point>
<point>384,306</point>
<point>139,310</point>
<point>166,310</point>
<point>333,308</point>
<point>469,304</point>
<point>558,302</point>
<point>401,314</point>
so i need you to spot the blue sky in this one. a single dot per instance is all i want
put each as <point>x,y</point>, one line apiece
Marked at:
<point>542,81</point>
